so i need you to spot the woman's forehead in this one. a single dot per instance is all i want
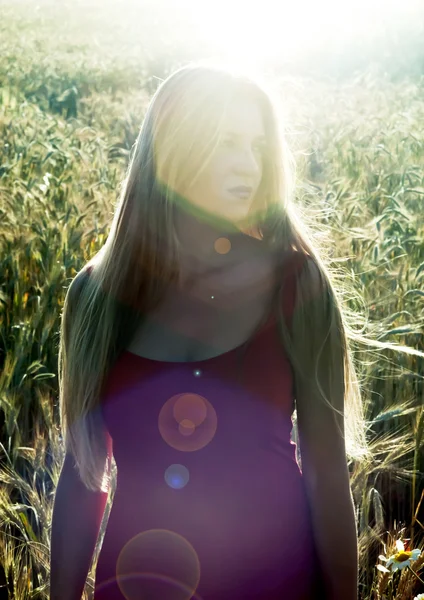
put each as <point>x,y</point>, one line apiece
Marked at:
<point>241,119</point>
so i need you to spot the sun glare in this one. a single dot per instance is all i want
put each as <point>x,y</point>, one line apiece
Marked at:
<point>269,29</point>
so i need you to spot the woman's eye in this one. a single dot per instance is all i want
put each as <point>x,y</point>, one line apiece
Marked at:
<point>260,148</point>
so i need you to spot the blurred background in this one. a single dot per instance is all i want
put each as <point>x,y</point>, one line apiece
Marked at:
<point>75,80</point>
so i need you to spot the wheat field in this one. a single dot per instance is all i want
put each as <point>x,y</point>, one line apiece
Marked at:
<point>70,108</point>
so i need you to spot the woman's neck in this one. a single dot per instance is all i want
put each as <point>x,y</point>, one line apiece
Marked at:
<point>208,243</point>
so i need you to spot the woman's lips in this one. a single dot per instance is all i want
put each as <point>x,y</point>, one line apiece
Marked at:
<point>240,193</point>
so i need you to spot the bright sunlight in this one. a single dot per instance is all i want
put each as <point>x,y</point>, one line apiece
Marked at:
<point>256,31</point>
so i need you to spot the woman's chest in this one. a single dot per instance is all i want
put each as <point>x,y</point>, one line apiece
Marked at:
<point>209,317</point>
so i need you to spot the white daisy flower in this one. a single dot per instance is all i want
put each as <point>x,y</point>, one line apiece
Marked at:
<point>419,597</point>
<point>403,558</point>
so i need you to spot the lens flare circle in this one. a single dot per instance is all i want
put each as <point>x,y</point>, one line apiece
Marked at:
<point>187,422</point>
<point>158,564</point>
<point>222,245</point>
<point>177,476</point>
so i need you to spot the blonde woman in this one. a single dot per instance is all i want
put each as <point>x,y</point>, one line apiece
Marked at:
<point>187,342</point>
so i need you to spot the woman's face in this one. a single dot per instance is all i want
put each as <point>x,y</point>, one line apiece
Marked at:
<point>237,161</point>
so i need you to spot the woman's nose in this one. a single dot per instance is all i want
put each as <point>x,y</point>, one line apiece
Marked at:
<point>248,162</point>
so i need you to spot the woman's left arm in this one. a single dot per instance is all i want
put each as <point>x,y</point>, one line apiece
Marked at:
<point>323,453</point>
<point>334,526</point>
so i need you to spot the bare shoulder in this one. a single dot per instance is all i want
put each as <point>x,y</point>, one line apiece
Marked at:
<point>73,294</point>
<point>76,286</point>
<point>312,277</point>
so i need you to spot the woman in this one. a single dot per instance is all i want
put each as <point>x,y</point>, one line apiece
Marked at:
<point>187,342</point>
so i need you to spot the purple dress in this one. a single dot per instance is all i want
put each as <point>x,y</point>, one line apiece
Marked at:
<point>210,502</point>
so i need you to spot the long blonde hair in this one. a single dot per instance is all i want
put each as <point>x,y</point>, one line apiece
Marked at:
<point>140,258</point>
